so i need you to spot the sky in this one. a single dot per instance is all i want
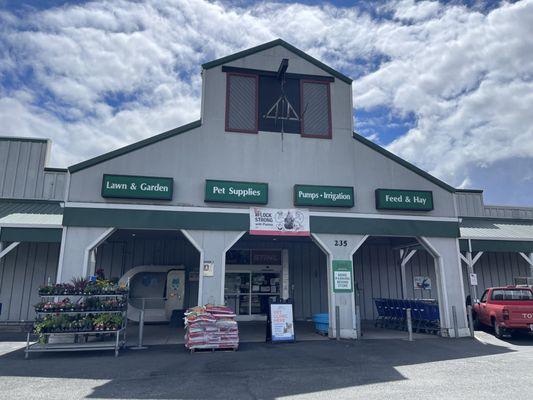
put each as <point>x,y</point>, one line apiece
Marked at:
<point>446,85</point>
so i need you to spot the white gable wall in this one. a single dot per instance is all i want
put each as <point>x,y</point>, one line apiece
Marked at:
<point>208,152</point>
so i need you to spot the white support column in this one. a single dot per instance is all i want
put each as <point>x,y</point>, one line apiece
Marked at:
<point>405,256</point>
<point>340,248</point>
<point>8,249</point>
<point>76,244</point>
<point>529,260</point>
<point>450,283</point>
<point>212,246</point>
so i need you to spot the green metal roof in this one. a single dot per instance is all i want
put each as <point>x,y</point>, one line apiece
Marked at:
<point>134,146</point>
<point>496,229</point>
<point>273,43</point>
<point>21,206</point>
<point>404,163</point>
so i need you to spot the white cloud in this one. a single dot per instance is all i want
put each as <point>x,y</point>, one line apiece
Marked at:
<point>107,73</point>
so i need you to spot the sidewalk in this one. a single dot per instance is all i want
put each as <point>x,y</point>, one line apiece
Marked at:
<point>370,369</point>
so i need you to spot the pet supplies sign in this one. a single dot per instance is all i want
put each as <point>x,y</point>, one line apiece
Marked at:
<point>281,322</point>
<point>284,222</point>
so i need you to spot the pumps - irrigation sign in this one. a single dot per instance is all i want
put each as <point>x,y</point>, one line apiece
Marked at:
<point>137,187</point>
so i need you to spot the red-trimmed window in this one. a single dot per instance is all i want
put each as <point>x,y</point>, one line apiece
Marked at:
<point>241,102</point>
<point>316,109</point>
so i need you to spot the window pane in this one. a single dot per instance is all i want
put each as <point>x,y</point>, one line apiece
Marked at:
<point>241,110</point>
<point>510,295</point>
<point>315,109</point>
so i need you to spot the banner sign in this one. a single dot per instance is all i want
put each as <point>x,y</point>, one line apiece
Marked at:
<point>342,276</point>
<point>236,192</point>
<point>412,200</point>
<point>281,323</point>
<point>323,196</point>
<point>137,187</point>
<point>275,221</point>
<point>422,282</point>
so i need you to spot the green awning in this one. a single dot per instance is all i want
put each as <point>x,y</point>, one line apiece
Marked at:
<point>497,235</point>
<point>43,235</point>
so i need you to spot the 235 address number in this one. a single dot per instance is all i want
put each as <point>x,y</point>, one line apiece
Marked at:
<point>341,243</point>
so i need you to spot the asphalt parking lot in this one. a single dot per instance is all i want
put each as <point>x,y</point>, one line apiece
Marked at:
<point>486,368</point>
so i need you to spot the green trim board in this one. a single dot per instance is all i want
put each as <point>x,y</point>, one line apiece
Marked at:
<point>288,75</point>
<point>400,199</point>
<point>403,163</point>
<point>134,146</point>
<point>498,246</point>
<point>150,219</point>
<point>323,196</point>
<point>43,235</point>
<point>384,227</point>
<point>236,192</point>
<point>342,276</point>
<point>137,187</point>
<point>273,43</point>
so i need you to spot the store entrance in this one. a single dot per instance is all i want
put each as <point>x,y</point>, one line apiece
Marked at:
<point>249,290</point>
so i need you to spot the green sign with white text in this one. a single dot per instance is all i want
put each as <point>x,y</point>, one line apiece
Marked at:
<point>323,196</point>
<point>137,187</point>
<point>396,199</point>
<point>342,276</point>
<point>236,192</point>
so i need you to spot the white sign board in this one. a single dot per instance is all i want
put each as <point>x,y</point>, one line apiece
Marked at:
<point>279,221</point>
<point>422,282</point>
<point>209,268</point>
<point>281,322</point>
<point>473,279</point>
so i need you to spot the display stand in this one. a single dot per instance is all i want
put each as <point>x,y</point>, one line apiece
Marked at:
<point>82,338</point>
<point>280,322</point>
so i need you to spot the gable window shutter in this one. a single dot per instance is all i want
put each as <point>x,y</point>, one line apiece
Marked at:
<point>316,109</point>
<point>241,103</point>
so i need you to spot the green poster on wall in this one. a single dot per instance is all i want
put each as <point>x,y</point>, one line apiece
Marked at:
<point>342,276</point>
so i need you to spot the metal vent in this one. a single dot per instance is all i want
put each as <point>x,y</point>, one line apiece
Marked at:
<point>242,103</point>
<point>315,105</point>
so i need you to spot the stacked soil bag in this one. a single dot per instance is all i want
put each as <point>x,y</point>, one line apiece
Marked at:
<point>211,327</point>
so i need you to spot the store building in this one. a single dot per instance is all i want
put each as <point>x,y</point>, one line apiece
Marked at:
<point>349,221</point>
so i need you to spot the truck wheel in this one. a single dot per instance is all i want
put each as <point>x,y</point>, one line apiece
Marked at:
<point>477,325</point>
<point>498,332</point>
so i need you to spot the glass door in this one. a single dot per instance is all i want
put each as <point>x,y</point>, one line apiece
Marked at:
<point>237,292</point>
<point>250,293</point>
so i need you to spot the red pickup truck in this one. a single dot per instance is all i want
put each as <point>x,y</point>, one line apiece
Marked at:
<point>506,309</point>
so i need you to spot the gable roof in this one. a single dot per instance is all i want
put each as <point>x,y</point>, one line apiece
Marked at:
<point>273,43</point>
<point>134,146</point>
<point>403,163</point>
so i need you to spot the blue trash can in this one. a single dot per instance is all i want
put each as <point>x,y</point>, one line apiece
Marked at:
<point>321,323</point>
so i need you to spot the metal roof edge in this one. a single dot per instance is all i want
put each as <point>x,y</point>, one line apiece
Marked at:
<point>469,190</point>
<point>40,201</point>
<point>54,169</point>
<point>25,139</point>
<point>134,146</point>
<point>403,162</point>
<point>524,221</point>
<point>268,45</point>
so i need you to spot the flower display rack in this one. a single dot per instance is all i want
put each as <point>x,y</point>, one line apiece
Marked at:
<point>73,319</point>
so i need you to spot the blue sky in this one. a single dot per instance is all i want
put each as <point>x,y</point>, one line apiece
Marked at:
<point>445,85</point>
